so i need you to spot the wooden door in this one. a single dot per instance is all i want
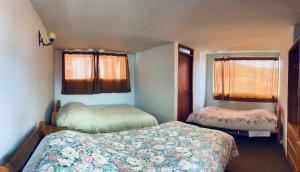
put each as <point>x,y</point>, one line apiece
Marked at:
<point>185,84</point>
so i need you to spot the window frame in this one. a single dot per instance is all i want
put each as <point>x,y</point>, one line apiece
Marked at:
<point>90,53</point>
<point>96,85</point>
<point>223,98</point>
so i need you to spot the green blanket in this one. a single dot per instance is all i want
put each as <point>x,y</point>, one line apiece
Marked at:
<point>103,118</point>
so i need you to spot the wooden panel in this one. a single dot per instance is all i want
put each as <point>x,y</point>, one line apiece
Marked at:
<point>293,147</point>
<point>293,141</point>
<point>185,69</point>
<point>48,129</point>
<point>292,151</point>
<point>298,154</point>
<point>293,85</point>
<point>292,132</point>
<point>298,56</point>
<point>292,163</point>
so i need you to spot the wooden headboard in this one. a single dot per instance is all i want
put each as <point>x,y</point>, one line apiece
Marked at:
<point>54,114</point>
<point>278,112</point>
<point>20,158</point>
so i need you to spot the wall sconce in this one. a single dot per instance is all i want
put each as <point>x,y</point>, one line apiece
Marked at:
<point>51,36</point>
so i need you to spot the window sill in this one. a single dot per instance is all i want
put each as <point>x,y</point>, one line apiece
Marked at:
<point>245,99</point>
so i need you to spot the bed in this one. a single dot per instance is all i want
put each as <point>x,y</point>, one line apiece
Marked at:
<point>173,146</point>
<point>101,118</point>
<point>254,123</point>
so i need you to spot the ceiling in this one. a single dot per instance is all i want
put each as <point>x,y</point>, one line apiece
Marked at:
<point>136,25</point>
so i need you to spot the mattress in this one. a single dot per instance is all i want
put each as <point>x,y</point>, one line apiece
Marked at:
<point>103,118</point>
<point>249,120</point>
<point>173,146</point>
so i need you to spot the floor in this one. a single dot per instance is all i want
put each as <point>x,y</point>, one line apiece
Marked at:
<point>259,155</point>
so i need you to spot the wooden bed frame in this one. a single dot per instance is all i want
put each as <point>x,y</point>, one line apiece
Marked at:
<point>20,158</point>
<point>54,114</point>
<point>277,110</point>
<point>22,155</point>
<point>278,129</point>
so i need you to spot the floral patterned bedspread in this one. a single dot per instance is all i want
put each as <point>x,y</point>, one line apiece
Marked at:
<point>173,146</point>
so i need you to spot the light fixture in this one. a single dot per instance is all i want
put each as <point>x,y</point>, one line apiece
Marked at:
<point>51,36</point>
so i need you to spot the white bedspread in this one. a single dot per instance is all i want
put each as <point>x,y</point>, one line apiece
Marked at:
<point>249,120</point>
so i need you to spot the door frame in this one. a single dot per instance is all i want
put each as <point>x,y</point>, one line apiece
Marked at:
<point>191,55</point>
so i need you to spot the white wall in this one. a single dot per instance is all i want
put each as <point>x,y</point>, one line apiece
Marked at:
<point>199,79</point>
<point>209,100</point>
<point>156,83</point>
<point>93,99</point>
<point>287,43</point>
<point>26,73</point>
<point>296,31</point>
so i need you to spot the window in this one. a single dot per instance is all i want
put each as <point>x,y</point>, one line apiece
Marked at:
<point>246,79</point>
<point>112,67</point>
<point>78,67</point>
<point>91,73</point>
<point>185,50</point>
